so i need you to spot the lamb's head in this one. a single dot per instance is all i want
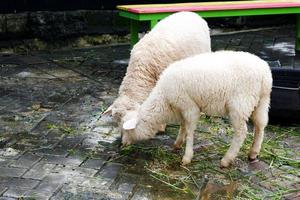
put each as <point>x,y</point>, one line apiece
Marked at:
<point>136,129</point>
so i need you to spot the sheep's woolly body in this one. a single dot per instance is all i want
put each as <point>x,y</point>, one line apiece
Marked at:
<point>176,37</point>
<point>214,82</point>
<point>223,83</point>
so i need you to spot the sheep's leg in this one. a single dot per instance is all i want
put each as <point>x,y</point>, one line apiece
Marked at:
<point>190,117</point>
<point>240,127</point>
<point>180,137</point>
<point>260,120</point>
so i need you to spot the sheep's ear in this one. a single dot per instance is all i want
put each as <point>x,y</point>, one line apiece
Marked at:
<point>130,124</point>
<point>108,111</point>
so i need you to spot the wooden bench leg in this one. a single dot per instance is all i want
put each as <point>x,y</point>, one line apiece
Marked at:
<point>298,33</point>
<point>153,23</point>
<point>134,32</point>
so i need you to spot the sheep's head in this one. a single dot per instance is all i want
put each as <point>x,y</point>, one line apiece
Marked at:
<point>129,136</point>
<point>134,130</point>
<point>119,109</point>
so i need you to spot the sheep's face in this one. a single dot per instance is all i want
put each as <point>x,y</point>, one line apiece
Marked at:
<point>128,135</point>
<point>133,130</point>
<point>119,109</point>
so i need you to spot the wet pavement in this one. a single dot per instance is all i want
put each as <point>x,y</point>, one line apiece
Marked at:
<point>53,144</point>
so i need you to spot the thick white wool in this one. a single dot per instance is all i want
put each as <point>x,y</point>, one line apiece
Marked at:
<point>176,37</point>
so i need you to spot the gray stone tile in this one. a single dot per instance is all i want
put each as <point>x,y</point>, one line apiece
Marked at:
<point>68,192</point>
<point>71,171</point>
<point>5,162</point>
<point>18,182</point>
<point>110,170</point>
<point>39,171</point>
<point>33,59</point>
<point>62,160</point>
<point>36,194</point>
<point>10,153</point>
<point>26,160</point>
<point>7,198</point>
<point>15,192</point>
<point>142,193</point>
<point>93,163</point>
<point>2,189</point>
<point>51,183</point>
<point>126,183</point>
<point>11,172</point>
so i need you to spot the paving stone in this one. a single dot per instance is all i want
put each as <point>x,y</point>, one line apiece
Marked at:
<point>97,182</point>
<point>39,171</point>
<point>246,41</point>
<point>83,193</point>
<point>7,198</point>
<point>110,170</point>
<point>235,41</point>
<point>32,60</point>
<point>18,182</point>
<point>36,194</point>
<point>126,188</point>
<point>70,142</point>
<point>62,160</point>
<point>142,194</point>
<point>51,183</point>
<point>125,185</point>
<point>4,139</point>
<point>4,162</point>
<point>11,172</point>
<point>2,190</point>
<point>10,153</point>
<point>93,163</point>
<point>51,150</point>
<point>26,160</point>
<point>70,171</point>
<point>15,192</point>
<point>256,47</point>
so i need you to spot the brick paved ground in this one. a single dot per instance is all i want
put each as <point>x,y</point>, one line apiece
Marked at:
<point>54,146</point>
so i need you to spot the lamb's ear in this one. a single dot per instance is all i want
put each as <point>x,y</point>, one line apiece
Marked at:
<point>108,111</point>
<point>130,124</point>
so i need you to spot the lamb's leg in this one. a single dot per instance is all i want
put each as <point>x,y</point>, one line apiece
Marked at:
<point>240,128</point>
<point>180,137</point>
<point>260,120</point>
<point>190,117</point>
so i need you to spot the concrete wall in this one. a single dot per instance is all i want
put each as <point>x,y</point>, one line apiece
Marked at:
<point>52,25</point>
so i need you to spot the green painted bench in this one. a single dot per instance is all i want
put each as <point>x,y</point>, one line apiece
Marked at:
<point>155,12</point>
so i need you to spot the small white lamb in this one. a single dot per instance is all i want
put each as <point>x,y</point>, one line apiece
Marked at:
<point>176,37</point>
<point>224,83</point>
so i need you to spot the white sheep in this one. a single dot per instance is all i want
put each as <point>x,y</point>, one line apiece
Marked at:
<point>178,36</point>
<point>225,83</point>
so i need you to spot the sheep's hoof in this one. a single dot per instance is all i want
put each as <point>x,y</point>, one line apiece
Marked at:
<point>252,156</point>
<point>252,159</point>
<point>186,161</point>
<point>224,163</point>
<point>177,146</point>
